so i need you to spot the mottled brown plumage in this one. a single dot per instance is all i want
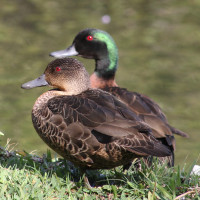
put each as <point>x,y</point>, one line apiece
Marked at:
<point>150,113</point>
<point>89,127</point>
<point>102,48</point>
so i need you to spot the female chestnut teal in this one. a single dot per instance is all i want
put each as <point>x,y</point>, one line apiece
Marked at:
<point>100,46</point>
<point>89,127</point>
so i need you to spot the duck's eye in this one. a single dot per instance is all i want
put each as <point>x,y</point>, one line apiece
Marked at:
<point>89,38</point>
<point>58,69</point>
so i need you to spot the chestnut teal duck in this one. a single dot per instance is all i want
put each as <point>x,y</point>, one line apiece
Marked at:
<point>100,46</point>
<point>89,127</point>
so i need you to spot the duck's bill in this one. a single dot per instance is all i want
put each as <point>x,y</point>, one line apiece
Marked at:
<point>38,82</point>
<point>70,51</point>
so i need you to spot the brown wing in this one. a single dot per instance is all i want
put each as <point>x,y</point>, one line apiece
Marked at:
<point>94,108</point>
<point>146,109</point>
<point>158,112</point>
<point>108,120</point>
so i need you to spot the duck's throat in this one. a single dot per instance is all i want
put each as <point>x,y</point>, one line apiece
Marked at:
<point>100,82</point>
<point>106,68</point>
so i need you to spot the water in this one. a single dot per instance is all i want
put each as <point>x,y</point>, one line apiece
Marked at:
<point>158,43</point>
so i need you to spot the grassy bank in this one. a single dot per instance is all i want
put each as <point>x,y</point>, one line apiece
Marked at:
<point>27,176</point>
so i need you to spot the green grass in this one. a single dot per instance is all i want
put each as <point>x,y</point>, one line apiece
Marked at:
<point>27,176</point>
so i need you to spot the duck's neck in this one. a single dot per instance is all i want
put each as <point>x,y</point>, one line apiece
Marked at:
<point>44,98</point>
<point>100,82</point>
<point>105,69</point>
<point>104,73</point>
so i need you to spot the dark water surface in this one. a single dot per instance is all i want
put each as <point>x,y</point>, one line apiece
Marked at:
<point>159,46</point>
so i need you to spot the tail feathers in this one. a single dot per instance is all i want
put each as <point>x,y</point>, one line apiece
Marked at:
<point>178,132</point>
<point>158,150</point>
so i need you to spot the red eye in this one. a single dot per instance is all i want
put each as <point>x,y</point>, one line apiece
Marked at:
<point>89,38</point>
<point>58,69</point>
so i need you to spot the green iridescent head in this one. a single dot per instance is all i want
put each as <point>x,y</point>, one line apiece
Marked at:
<point>94,44</point>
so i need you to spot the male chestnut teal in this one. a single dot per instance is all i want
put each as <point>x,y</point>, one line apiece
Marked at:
<point>100,46</point>
<point>89,127</point>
